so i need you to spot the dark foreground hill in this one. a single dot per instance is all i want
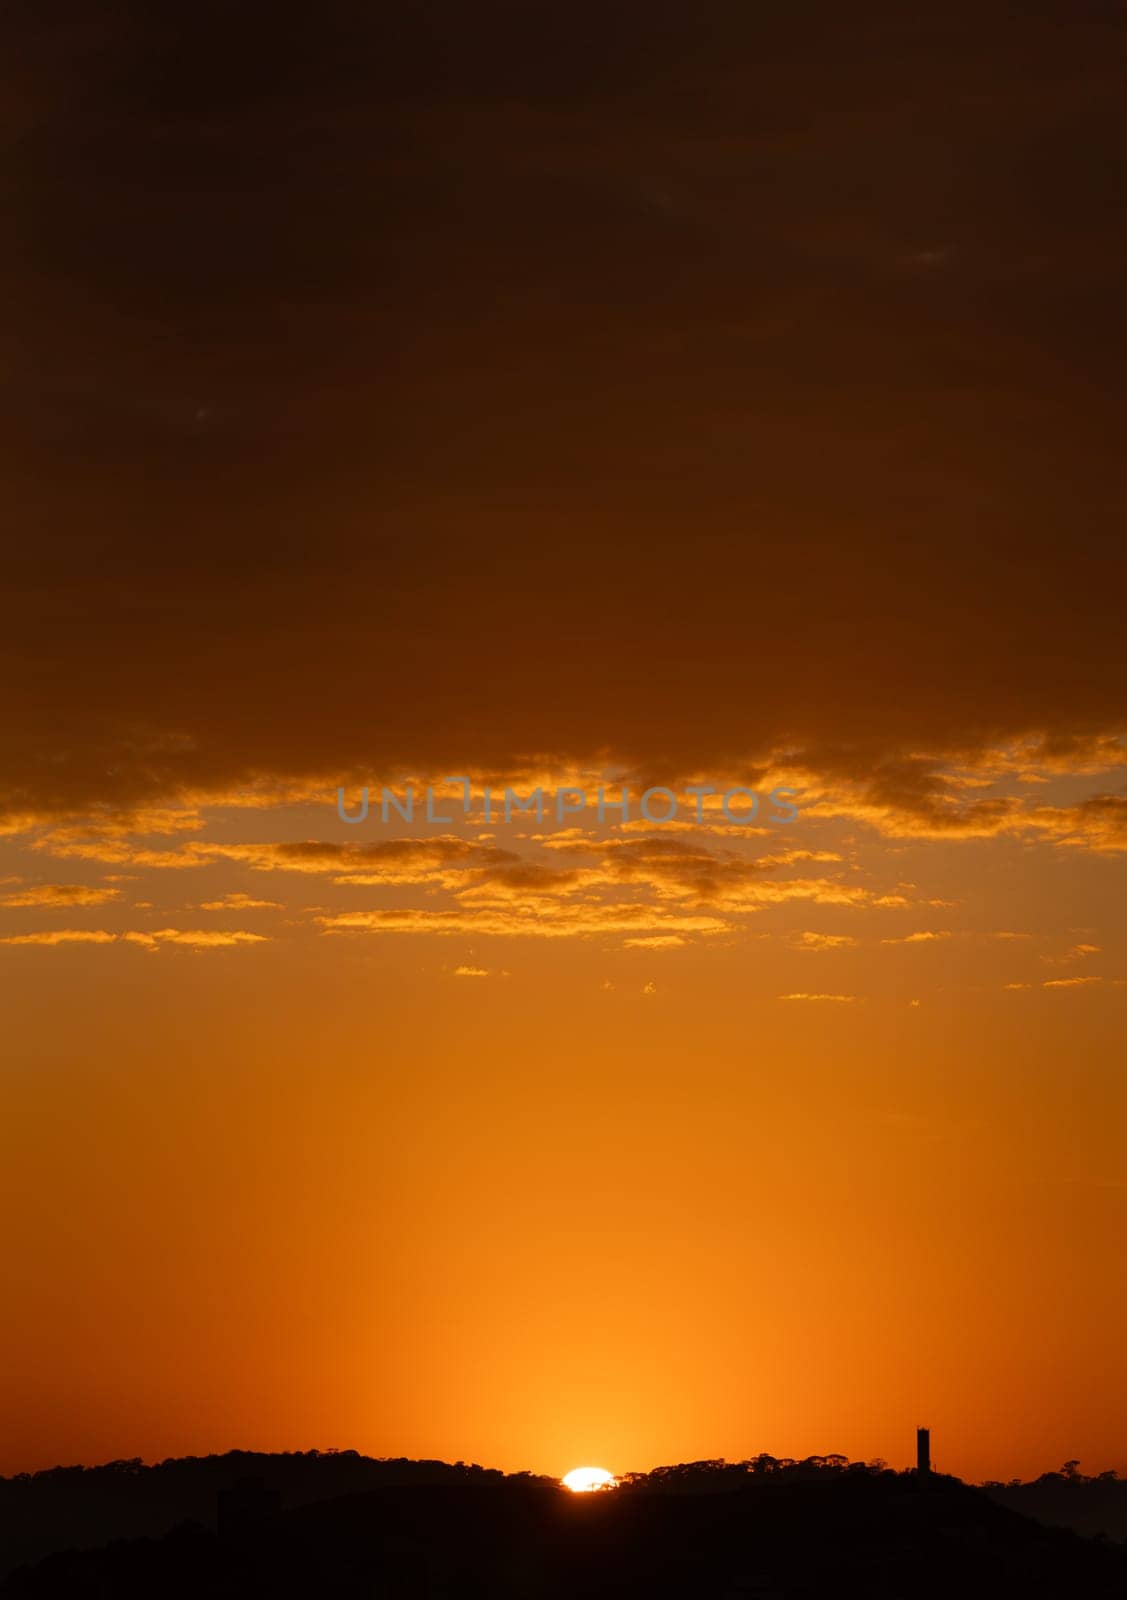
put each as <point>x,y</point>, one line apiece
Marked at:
<point>876,1534</point>
<point>1069,1500</point>
<point>85,1506</point>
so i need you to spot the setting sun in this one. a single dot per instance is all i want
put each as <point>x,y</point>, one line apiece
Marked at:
<point>585,1480</point>
<point>563,800</point>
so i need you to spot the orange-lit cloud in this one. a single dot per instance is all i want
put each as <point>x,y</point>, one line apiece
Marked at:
<point>846,999</point>
<point>823,941</point>
<point>59,894</point>
<point>195,938</point>
<point>199,939</point>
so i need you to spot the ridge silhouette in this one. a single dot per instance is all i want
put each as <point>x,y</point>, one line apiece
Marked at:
<point>341,1524</point>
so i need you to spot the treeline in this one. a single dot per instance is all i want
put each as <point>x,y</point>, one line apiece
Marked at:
<point>1092,1505</point>
<point>709,1476</point>
<point>82,1506</point>
<point>87,1506</point>
<point>761,1527</point>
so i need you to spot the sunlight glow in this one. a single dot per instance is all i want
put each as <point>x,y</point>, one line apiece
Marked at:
<point>585,1480</point>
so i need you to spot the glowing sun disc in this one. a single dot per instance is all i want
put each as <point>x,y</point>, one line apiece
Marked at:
<point>585,1480</point>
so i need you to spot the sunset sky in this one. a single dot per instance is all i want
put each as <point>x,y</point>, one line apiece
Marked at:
<point>564,395</point>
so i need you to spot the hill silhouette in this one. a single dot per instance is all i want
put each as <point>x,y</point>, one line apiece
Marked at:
<point>84,1506</point>
<point>337,1525</point>
<point>1068,1499</point>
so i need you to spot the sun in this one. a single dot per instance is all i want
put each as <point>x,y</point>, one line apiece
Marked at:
<point>586,1480</point>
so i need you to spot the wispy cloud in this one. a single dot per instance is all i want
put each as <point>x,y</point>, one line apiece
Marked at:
<point>59,894</point>
<point>562,921</point>
<point>199,939</point>
<point>240,902</point>
<point>196,938</point>
<point>823,941</point>
<point>845,999</point>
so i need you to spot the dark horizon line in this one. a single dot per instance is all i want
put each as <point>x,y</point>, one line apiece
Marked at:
<point>1068,1471</point>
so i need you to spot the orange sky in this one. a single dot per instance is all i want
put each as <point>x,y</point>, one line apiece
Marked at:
<point>555,397</point>
<point>531,1197</point>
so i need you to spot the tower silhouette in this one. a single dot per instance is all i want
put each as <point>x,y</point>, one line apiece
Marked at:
<point>923,1452</point>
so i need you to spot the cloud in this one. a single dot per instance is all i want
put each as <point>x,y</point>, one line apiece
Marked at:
<point>652,890</point>
<point>1076,952</point>
<point>655,890</point>
<point>116,849</point>
<point>910,796</point>
<point>845,999</point>
<point>558,921</point>
<point>676,868</point>
<point>471,972</point>
<point>433,859</point>
<point>151,682</point>
<point>926,936</point>
<point>1056,983</point>
<point>196,938</point>
<point>823,941</point>
<point>59,894</point>
<point>1098,823</point>
<point>237,901</point>
<point>928,797</point>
